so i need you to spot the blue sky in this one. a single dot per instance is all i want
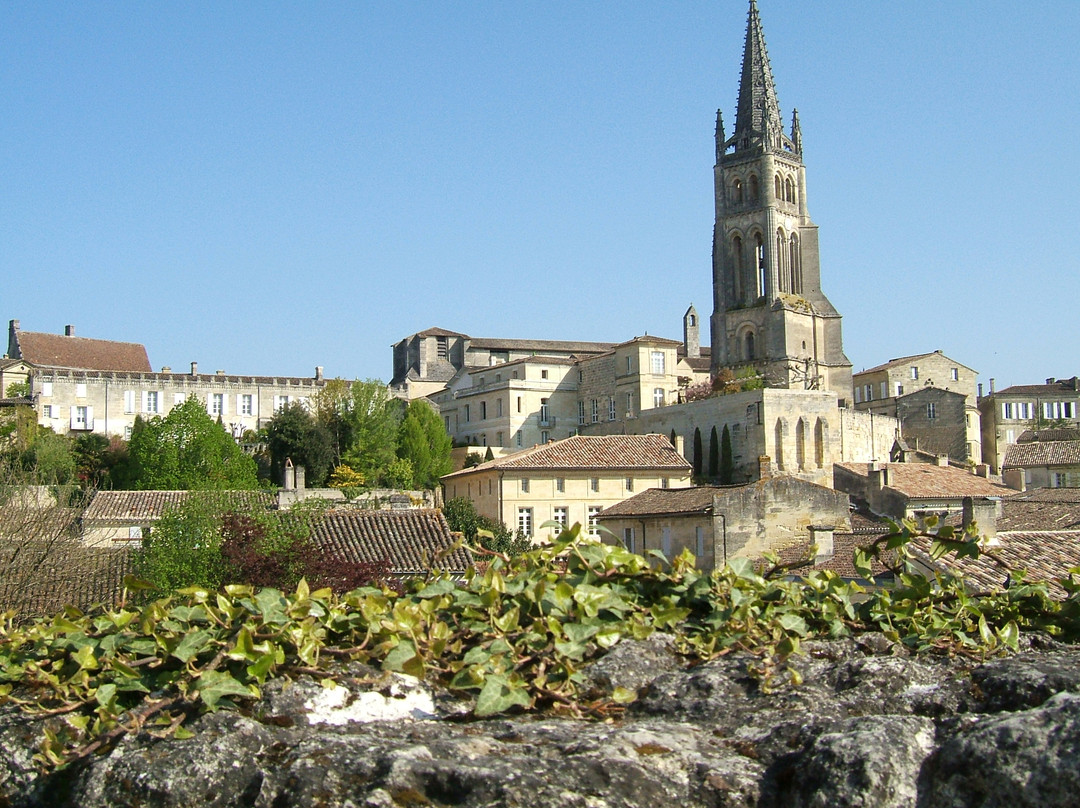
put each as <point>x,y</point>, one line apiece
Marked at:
<point>266,187</point>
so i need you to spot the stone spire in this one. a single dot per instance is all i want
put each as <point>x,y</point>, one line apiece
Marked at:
<point>759,110</point>
<point>796,132</point>
<point>720,136</point>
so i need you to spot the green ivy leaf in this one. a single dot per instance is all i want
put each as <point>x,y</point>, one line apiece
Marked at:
<point>499,694</point>
<point>216,686</point>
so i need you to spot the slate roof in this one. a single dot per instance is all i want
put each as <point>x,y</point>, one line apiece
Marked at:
<point>411,540</point>
<point>1042,453</point>
<point>928,481</point>
<point>1030,435</point>
<point>592,452</point>
<point>140,507</point>
<point>57,350</point>
<point>903,360</point>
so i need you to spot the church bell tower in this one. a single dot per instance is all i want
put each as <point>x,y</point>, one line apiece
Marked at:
<point>770,316</point>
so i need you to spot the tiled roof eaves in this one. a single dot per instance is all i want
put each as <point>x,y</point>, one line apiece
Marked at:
<point>201,378</point>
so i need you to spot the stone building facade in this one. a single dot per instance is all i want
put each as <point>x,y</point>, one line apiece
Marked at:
<point>1007,414</point>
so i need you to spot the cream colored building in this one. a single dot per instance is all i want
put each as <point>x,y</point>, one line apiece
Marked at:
<point>569,481</point>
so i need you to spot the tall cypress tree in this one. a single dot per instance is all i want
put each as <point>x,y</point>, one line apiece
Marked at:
<point>697,452</point>
<point>727,459</point>
<point>714,455</point>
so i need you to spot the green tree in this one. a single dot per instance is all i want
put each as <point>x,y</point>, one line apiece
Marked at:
<point>698,454</point>
<point>727,459</point>
<point>371,420</point>
<point>44,456</point>
<point>184,547</point>
<point>294,432</point>
<point>714,455</point>
<point>425,443</point>
<point>482,531</point>
<point>187,450</point>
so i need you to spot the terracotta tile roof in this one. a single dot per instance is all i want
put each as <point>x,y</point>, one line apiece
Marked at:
<point>170,377</point>
<point>410,540</point>
<point>1057,387</point>
<point>1046,556</point>
<point>648,339</point>
<point>1042,453</point>
<point>1041,509</point>
<point>1029,435</point>
<point>665,501</point>
<point>929,481</point>
<point>588,452</point>
<point>903,360</point>
<point>842,561</point>
<point>57,350</point>
<point>66,575</point>
<point>148,506</point>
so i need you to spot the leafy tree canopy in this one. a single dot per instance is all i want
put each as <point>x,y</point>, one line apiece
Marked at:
<point>187,450</point>
<point>425,443</point>
<point>295,433</point>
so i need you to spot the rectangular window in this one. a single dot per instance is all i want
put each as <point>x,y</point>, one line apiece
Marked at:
<point>441,348</point>
<point>127,432</point>
<point>544,411</point>
<point>517,438</point>
<point>247,406</point>
<point>595,410</point>
<point>699,536</point>
<point>954,374</point>
<point>46,411</point>
<point>594,511</point>
<point>581,413</point>
<point>629,405</point>
<point>884,390</point>
<point>150,401</point>
<point>629,483</point>
<point>543,374</point>
<point>524,485</point>
<point>628,539</point>
<point>179,398</point>
<point>868,392</point>
<point>665,542</point>
<point>545,436</point>
<point>81,419</point>
<point>1024,410</point>
<point>858,394</point>
<point>1007,410</point>
<point>483,410</point>
<point>280,402</point>
<point>658,397</point>
<point>914,372</point>
<point>899,390</point>
<point>46,388</point>
<point>80,390</point>
<point>498,408</point>
<point>560,484</point>
<point>611,408</point>
<point>129,401</point>
<point>931,410</point>
<point>665,483</point>
<point>594,484</point>
<point>467,418</point>
<point>498,438</point>
<point>217,403</point>
<point>658,363</point>
<point>560,515</point>
<point>519,403</point>
<point>629,364</point>
<point>525,521</point>
<point>135,532</point>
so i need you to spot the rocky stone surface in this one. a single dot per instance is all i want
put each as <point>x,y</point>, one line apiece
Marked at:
<point>871,725</point>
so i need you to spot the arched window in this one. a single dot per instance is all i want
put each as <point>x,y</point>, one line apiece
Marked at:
<point>780,434</point>
<point>777,188</point>
<point>800,444</point>
<point>789,190</point>
<point>795,265</point>
<point>821,436</point>
<point>781,261</point>
<point>736,191</point>
<point>762,267</point>
<point>692,321</point>
<point>749,345</point>
<point>737,261</point>
<point>753,188</point>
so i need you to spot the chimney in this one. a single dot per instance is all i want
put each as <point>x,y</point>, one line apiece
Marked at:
<point>69,331</point>
<point>1050,380</point>
<point>968,505</point>
<point>982,470</point>
<point>822,536</point>
<point>166,369</point>
<point>764,467</point>
<point>980,390</point>
<point>289,483</point>
<point>194,368</point>
<point>942,460</point>
<point>879,476</point>
<point>991,387</point>
<point>318,373</point>
<point>219,372</point>
<point>680,445</point>
<point>13,339</point>
<point>301,478</point>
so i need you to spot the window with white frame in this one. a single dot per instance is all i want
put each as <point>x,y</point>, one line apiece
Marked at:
<point>560,514</point>
<point>914,372</point>
<point>467,418</point>
<point>544,410</point>
<point>560,484</point>
<point>594,484</point>
<point>217,403</point>
<point>699,541</point>
<point>1055,410</point>
<point>247,406</point>
<point>658,397</point>
<point>593,513</point>
<point>581,413</point>
<point>82,418</point>
<point>931,409</point>
<point>46,411</point>
<point>858,394</point>
<point>954,374</point>
<point>46,388</point>
<point>665,482</point>
<point>657,363</point>
<point>80,390</point>
<point>899,390</point>
<point>524,485</point>
<point>629,483</point>
<point>884,390</point>
<point>129,401</point>
<point>611,408</point>
<point>135,532</point>
<point>629,404</point>
<point>628,539</point>
<point>151,402</point>
<point>545,436</point>
<point>127,432</point>
<point>594,410</point>
<point>280,402</point>
<point>665,541</point>
<point>525,521</point>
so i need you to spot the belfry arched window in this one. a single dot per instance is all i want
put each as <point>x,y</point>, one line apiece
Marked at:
<point>749,346</point>
<point>789,190</point>
<point>753,188</point>
<point>762,266</point>
<point>781,261</point>
<point>776,186</point>
<point>739,264</point>
<point>736,191</point>
<point>795,265</point>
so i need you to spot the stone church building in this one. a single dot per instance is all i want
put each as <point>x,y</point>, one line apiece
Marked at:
<point>771,326</point>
